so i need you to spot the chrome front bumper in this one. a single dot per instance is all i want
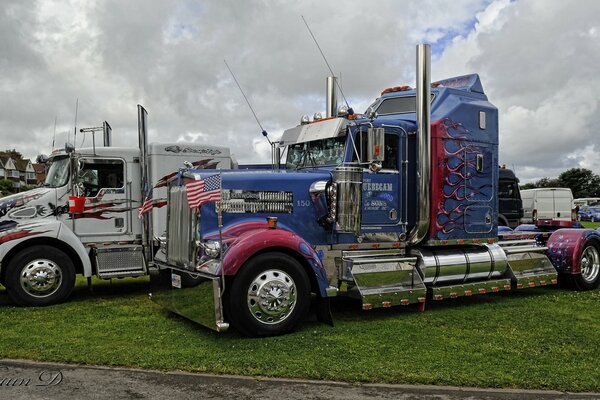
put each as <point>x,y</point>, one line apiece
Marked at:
<point>195,296</point>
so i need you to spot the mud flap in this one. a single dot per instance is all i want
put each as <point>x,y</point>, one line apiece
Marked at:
<point>323,310</point>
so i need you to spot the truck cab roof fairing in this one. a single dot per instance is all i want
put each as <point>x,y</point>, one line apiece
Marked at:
<point>323,129</point>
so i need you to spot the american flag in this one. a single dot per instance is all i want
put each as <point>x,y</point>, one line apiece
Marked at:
<point>204,190</point>
<point>147,205</point>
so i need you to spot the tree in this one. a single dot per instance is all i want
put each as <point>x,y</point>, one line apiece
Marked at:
<point>542,183</point>
<point>582,182</point>
<point>530,185</point>
<point>547,182</point>
<point>14,154</point>
<point>5,187</point>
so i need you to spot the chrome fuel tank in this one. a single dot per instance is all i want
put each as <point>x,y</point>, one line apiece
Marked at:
<point>449,266</point>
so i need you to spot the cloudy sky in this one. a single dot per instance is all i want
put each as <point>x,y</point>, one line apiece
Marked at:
<point>538,61</point>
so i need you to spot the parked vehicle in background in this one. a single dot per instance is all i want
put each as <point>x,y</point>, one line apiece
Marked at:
<point>510,205</point>
<point>86,219</point>
<point>589,214</point>
<point>586,201</point>
<point>548,206</point>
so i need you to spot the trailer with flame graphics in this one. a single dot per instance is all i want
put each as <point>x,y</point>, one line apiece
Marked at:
<point>396,207</point>
<point>86,218</point>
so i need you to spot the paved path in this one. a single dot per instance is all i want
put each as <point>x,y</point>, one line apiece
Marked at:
<point>25,380</point>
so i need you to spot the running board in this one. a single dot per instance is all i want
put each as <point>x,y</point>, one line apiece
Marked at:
<point>470,289</point>
<point>386,281</point>
<point>530,267</point>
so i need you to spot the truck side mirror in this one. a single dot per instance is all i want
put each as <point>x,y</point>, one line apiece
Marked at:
<point>69,148</point>
<point>41,159</point>
<point>375,145</point>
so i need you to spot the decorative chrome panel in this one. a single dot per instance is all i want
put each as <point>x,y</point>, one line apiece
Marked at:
<point>256,201</point>
<point>194,296</point>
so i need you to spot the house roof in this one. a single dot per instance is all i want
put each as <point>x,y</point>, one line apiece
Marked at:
<point>39,168</point>
<point>22,164</point>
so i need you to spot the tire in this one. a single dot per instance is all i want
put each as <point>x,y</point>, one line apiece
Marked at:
<point>280,281</point>
<point>40,276</point>
<point>590,267</point>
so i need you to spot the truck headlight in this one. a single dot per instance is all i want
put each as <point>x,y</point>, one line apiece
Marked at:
<point>212,249</point>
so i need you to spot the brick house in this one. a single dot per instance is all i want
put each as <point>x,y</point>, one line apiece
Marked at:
<point>40,172</point>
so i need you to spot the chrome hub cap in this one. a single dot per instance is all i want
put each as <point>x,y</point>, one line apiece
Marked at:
<point>271,296</point>
<point>590,264</point>
<point>41,278</point>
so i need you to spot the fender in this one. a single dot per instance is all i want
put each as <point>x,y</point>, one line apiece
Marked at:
<point>68,237</point>
<point>255,240</point>
<point>565,247</point>
<point>50,228</point>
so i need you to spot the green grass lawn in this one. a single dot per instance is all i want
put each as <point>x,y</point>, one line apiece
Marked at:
<point>593,225</point>
<point>544,338</point>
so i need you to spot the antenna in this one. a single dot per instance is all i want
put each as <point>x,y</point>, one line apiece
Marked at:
<point>248,102</point>
<point>350,111</point>
<point>53,135</point>
<point>75,128</point>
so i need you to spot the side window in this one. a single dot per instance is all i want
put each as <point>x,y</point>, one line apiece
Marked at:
<point>391,150</point>
<point>96,175</point>
<point>508,190</point>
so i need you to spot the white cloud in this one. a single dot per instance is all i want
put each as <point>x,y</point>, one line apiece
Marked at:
<point>538,62</point>
<point>537,59</point>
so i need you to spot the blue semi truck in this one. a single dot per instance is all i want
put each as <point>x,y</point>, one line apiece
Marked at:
<point>395,207</point>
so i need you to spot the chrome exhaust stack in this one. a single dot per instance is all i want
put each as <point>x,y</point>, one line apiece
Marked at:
<point>331,94</point>
<point>106,134</point>
<point>419,232</point>
<point>145,183</point>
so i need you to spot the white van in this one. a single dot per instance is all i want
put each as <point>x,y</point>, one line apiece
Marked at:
<point>547,204</point>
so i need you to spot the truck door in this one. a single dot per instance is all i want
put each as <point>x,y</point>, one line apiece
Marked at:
<point>381,190</point>
<point>107,214</point>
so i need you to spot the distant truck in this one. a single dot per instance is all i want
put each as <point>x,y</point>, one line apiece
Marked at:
<point>510,205</point>
<point>548,206</point>
<point>86,217</point>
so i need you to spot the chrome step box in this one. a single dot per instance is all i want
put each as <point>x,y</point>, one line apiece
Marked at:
<point>120,261</point>
<point>385,280</point>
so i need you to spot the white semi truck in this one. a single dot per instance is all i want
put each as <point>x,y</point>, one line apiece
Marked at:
<point>86,218</point>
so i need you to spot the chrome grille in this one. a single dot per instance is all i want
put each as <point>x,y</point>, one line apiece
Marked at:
<point>181,229</point>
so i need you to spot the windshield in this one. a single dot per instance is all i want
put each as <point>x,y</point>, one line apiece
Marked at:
<point>58,172</point>
<point>317,153</point>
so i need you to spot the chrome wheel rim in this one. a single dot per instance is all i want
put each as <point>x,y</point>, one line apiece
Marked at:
<point>41,278</point>
<point>590,264</point>
<point>271,296</point>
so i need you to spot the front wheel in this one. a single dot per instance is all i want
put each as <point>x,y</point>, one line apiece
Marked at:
<point>269,296</point>
<point>590,267</point>
<point>40,276</point>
